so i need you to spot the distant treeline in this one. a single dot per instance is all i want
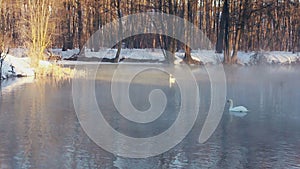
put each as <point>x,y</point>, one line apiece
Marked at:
<point>231,25</point>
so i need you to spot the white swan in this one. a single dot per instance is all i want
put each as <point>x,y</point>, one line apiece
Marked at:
<point>236,109</point>
<point>172,80</point>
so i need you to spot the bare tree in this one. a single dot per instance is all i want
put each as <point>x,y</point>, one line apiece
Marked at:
<point>223,35</point>
<point>80,24</point>
<point>69,27</point>
<point>39,28</point>
<point>190,12</point>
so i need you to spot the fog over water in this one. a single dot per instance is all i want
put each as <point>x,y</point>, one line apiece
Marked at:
<point>39,127</point>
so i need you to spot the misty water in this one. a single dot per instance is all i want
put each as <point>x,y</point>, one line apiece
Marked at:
<point>39,127</point>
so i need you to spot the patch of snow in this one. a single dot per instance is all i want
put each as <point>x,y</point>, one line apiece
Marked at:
<point>282,57</point>
<point>207,56</point>
<point>245,57</point>
<point>141,54</point>
<point>21,66</point>
<point>275,57</point>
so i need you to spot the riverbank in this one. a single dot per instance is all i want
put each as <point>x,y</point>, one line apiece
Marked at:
<point>205,56</point>
<point>16,65</point>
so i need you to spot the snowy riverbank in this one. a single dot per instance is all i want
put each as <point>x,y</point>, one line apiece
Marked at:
<point>15,66</point>
<point>22,67</point>
<point>206,56</point>
<point>19,67</point>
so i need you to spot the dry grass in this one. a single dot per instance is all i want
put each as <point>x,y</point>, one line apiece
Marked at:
<point>54,71</point>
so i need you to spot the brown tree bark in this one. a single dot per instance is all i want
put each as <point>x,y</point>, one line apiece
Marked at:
<point>80,24</point>
<point>223,38</point>
<point>119,12</point>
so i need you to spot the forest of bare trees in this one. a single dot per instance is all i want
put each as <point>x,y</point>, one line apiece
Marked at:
<point>232,25</point>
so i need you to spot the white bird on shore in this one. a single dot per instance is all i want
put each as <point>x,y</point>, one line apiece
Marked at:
<point>241,109</point>
<point>172,80</point>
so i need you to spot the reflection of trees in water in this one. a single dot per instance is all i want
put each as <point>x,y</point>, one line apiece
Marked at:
<point>32,123</point>
<point>35,118</point>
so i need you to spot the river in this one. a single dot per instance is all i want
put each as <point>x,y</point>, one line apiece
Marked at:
<point>39,127</point>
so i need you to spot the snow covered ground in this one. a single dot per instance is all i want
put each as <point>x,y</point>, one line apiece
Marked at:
<point>206,56</point>
<point>21,67</point>
<point>22,64</point>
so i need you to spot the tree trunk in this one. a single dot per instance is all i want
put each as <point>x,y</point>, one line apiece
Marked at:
<point>80,25</point>
<point>118,4</point>
<point>189,11</point>
<point>187,56</point>
<point>171,50</point>
<point>240,29</point>
<point>234,57</point>
<point>68,37</point>
<point>220,38</point>
<point>223,39</point>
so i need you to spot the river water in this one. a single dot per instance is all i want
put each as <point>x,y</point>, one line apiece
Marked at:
<point>39,127</point>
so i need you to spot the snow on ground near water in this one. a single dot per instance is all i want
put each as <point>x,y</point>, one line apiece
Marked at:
<point>143,54</point>
<point>282,57</point>
<point>21,66</point>
<point>206,56</point>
